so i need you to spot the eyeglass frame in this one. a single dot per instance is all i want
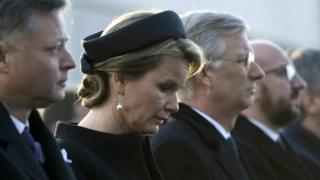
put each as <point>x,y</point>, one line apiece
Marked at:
<point>288,69</point>
<point>244,62</point>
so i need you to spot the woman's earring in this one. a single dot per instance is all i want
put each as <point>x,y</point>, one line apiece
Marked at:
<point>119,105</point>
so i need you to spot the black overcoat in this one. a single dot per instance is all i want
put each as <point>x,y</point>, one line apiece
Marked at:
<point>263,152</point>
<point>190,148</point>
<point>98,155</point>
<point>16,159</point>
<point>303,142</point>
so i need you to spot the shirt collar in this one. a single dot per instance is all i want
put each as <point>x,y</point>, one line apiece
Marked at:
<point>273,135</point>
<point>19,125</point>
<point>213,122</point>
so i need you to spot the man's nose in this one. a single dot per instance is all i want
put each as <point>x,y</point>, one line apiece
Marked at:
<point>255,71</point>
<point>298,82</point>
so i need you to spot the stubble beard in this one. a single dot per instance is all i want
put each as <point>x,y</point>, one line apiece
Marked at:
<point>281,113</point>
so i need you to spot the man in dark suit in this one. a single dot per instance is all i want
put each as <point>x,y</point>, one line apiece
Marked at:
<point>33,70</point>
<point>304,135</point>
<point>197,144</point>
<point>258,133</point>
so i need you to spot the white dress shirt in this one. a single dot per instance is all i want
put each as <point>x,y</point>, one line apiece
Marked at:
<point>215,124</point>
<point>19,125</point>
<point>273,135</point>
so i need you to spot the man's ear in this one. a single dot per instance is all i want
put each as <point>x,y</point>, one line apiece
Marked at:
<point>4,66</point>
<point>204,77</point>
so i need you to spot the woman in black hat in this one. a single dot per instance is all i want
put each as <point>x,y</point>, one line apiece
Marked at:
<point>134,69</point>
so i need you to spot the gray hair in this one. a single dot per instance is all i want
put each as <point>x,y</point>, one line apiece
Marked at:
<point>17,16</point>
<point>307,63</point>
<point>207,29</point>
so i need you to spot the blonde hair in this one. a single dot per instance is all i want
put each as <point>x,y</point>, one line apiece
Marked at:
<point>95,87</point>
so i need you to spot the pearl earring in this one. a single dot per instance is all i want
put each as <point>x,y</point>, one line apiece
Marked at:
<point>119,106</point>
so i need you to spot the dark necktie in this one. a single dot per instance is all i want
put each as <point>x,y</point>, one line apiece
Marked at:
<point>28,139</point>
<point>281,143</point>
<point>233,146</point>
<point>235,151</point>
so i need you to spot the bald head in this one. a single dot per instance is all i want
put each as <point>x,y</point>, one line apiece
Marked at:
<point>275,108</point>
<point>268,54</point>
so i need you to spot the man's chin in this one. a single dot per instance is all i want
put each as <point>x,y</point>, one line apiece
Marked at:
<point>58,96</point>
<point>248,102</point>
<point>51,100</point>
<point>283,119</point>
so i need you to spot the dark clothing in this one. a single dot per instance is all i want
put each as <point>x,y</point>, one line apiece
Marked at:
<point>17,161</point>
<point>303,142</point>
<point>190,148</point>
<point>261,151</point>
<point>98,155</point>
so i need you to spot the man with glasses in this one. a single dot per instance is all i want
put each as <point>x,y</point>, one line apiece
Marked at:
<point>304,135</point>
<point>258,132</point>
<point>197,144</point>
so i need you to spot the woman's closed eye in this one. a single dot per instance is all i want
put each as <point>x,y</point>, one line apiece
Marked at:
<point>168,87</point>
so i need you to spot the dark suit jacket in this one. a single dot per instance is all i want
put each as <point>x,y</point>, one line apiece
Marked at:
<point>262,151</point>
<point>190,148</point>
<point>305,144</point>
<point>16,159</point>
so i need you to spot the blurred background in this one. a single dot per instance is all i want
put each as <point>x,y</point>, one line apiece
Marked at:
<point>291,23</point>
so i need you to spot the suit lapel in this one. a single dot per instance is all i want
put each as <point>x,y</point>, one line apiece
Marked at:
<point>274,154</point>
<point>247,166</point>
<point>220,150</point>
<point>54,163</point>
<point>228,162</point>
<point>3,142</point>
<point>284,159</point>
<point>288,160</point>
<point>206,131</point>
<point>16,148</point>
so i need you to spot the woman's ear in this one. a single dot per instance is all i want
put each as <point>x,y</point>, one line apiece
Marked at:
<point>119,81</point>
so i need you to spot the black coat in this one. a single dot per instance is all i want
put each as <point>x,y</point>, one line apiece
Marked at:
<point>98,155</point>
<point>263,152</point>
<point>16,159</point>
<point>303,142</point>
<point>190,148</point>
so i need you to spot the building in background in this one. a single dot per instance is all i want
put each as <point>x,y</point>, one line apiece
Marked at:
<point>291,23</point>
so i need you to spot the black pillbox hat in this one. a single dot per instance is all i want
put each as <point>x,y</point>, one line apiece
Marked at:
<point>138,35</point>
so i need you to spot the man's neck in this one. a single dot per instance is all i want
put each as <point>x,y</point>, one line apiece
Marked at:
<point>22,114</point>
<point>261,118</point>
<point>224,117</point>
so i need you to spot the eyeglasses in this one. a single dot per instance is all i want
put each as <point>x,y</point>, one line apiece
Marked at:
<point>287,71</point>
<point>245,61</point>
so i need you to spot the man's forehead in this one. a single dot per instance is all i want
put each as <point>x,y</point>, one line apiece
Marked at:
<point>236,46</point>
<point>49,25</point>
<point>269,57</point>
